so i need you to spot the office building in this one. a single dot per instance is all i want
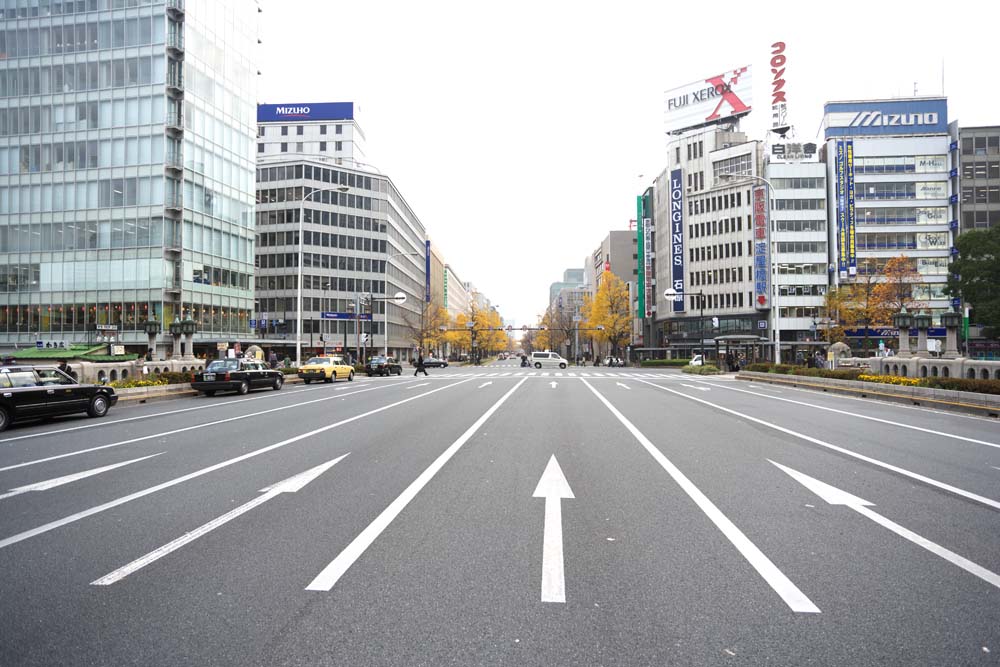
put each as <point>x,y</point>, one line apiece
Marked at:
<point>571,278</point>
<point>979,169</point>
<point>126,168</point>
<point>325,129</point>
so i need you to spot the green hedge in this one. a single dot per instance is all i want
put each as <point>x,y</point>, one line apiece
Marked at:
<point>288,370</point>
<point>962,384</point>
<point>664,363</point>
<point>791,369</point>
<point>707,369</point>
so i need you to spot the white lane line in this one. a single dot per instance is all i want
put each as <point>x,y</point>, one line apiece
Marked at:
<point>835,496</point>
<point>181,430</point>
<point>586,375</point>
<point>66,479</point>
<point>559,375</point>
<point>572,375</point>
<point>775,578</point>
<point>150,416</point>
<point>545,375</point>
<point>995,468</point>
<point>503,375</point>
<point>861,457</point>
<point>492,375</point>
<point>59,523</point>
<point>293,484</point>
<point>418,385</point>
<point>694,386</point>
<point>942,434</point>
<point>485,384</point>
<point>332,573</point>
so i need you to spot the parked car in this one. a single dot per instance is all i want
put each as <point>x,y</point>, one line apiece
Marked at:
<point>548,360</point>
<point>239,375</point>
<point>432,362</point>
<point>383,366</point>
<point>327,369</point>
<point>31,392</point>
<point>696,360</point>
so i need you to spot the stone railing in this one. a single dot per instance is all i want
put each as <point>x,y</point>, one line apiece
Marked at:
<point>90,372</point>
<point>919,367</point>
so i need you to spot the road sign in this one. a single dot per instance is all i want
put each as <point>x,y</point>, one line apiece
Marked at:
<point>253,324</point>
<point>399,298</point>
<point>222,346</point>
<point>524,327</point>
<point>364,338</point>
<point>345,316</point>
<point>761,324</point>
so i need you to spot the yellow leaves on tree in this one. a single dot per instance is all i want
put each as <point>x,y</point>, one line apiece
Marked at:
<point>611,309</point>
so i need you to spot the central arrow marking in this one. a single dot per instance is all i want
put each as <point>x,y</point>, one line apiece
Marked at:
<point>835,496</point>
<point>59,481</point>
<point>623,386</point>
<point>554,384</point>
<point>553,487</point>
<point>485,384</point>
<point>290,485</point>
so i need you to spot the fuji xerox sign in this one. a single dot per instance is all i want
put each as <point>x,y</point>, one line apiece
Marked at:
<point>886,117</point>
<point>714,99</point>
<point>305,111</point>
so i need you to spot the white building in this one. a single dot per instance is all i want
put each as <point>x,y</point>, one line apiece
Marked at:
<point>326,129</point>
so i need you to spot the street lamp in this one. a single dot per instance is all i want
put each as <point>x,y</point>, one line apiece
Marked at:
<point>298,285</point>
<point>385,300</point>
<point>776,325</point>
<point>673,295</point>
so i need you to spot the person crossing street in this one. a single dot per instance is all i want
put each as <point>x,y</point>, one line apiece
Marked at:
<point>420,365</point>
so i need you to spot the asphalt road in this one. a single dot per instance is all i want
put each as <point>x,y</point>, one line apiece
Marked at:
<point>680,521</point>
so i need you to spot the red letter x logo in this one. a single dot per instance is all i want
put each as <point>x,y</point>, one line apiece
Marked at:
<point>726,90</point>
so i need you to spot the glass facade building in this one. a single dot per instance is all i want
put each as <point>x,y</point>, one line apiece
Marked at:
<point>127,140</point>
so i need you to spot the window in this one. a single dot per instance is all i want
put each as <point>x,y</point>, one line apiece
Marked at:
<point>284,130</point>
<point>299,129</point>
<point>322,146</point>
<point>339,129</point>
<point>298,147</point>
<point>338,145</point>
<point>284,147</point>
<point>322,129</point>
<point>260,148</point>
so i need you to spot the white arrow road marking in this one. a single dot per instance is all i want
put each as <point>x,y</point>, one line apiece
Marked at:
<point>775,578</point>
<point>623,386</point>
<point>485,384</point>
<point>847,452</point>
<point>835,496</point>
<point>59,481</point>
<point>553,487</point>
<point>332,573</point>
<point>554,384</point>
<point>97,509</point>
<point>418,385</point>
<point>291,485</point>
<point>692,386</point>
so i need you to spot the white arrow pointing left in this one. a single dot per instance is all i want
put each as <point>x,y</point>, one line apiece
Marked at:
<point>290,485</point>
<point>835,496</point>
<point>553,487</point>
<point>59,481</point>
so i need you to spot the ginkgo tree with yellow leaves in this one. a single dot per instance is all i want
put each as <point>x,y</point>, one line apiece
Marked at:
<point>610,308</point>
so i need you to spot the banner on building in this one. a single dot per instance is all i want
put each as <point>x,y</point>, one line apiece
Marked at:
<point>779,105</point>
<point>761,249</point>
<point>427,271</point>
<point>641,255</point>
<point>677,238</point>
<point>852,256</point>
<point>841,209</point>
<point>647,233</point>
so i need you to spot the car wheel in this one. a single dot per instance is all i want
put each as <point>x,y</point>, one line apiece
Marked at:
<point>328,380</point>
<point>98,406</point>
<point>306,381</point>
<point>562,365</point>
<point>4,420</point>
<point>399,372</point>
<point>242,388</point>
<point>538,364</point>
<point>209,392</point>
<point>278,381</point>
<point>350,376</point>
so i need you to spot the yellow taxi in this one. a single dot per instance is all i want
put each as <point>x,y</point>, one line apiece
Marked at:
<point>326,369</point>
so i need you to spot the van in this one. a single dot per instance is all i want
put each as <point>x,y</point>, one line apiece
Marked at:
<point>547,360</point>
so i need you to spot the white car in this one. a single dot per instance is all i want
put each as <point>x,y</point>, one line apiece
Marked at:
<point>547,360</point>
<point>696,360</point>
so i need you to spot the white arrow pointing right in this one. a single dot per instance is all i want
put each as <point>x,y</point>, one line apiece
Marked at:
<point>553,487</point>
<point>835,496</point>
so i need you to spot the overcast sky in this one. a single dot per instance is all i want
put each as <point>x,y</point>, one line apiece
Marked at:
<point>520,133</point>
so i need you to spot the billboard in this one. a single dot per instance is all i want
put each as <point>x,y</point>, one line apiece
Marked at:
<point>852,255</point>
<point>847,259</point>
<point>304,111</point>
<point>718,98</point>
<point>779,105</point>
<point>641,254</point>
<point>427,271</point>
<point>761,250</point>
<point>886,117</point>
<point>677,238</point>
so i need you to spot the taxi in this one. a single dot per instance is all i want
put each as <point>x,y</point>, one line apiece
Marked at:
<point>327,369</point>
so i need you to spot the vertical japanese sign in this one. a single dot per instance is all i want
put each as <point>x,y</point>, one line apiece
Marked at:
<point>446,272</point>
<point>427,271</point>
<point>761,252</point>
<point>842,209</point>
<point>779,105</point>
<point>641,267</point>
<point>647,245</point>
<point>852,257</point>
<point>677,238</point>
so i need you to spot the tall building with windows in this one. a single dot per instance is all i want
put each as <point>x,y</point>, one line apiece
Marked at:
<point>126,167</point>
<point>327,129</point>
<point>979,166</point>
<point>889,176</point>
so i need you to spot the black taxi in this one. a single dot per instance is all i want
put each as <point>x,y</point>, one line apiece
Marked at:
<point>239,375</point>
<point>33,392</point>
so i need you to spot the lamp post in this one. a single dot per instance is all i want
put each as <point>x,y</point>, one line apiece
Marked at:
<point>385,300</point>
<point>152,328</point>
<point>902,321</point>
<point>188,327</point>
<point>772,269</point>
<point>673,295</point>
<point>298,282</point>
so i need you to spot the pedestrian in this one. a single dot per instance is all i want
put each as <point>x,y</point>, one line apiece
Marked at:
<point>730,362</point>
<point>420,365</point>
<point>272,359</point>
<point>149,354</point>
<point>64,367</point>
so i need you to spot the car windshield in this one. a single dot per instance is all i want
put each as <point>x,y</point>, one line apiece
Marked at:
<point>378,360</point>
<point>318,361</point>
<point>223,365</point>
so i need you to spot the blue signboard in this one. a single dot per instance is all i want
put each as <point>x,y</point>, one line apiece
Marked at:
<point>253,324</point>
<point>842,209</point>
<point>892,332</point>
<point>300,111</point>
<point>427,271</point>
<point>345,316</point>
<point>676,239</point>
<point>852,256</point>
<point>885,117</point>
